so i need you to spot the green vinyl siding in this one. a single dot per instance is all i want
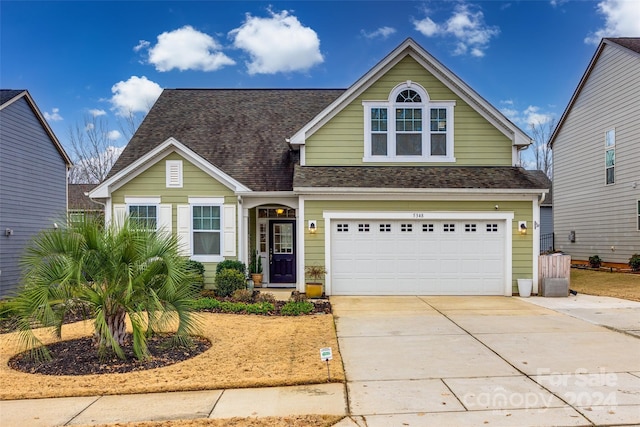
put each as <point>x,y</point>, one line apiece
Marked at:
<point>196,183</point>
<point>522,246</point>
<point>340,142</point>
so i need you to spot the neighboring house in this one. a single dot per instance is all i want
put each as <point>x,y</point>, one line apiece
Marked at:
<point>547,235</point>
<point>404,183</point>
<point>81,207</point>
<point>33,181</point>
<point>596,158</point>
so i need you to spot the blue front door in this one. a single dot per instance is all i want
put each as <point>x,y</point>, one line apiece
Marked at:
<point>282,251</point>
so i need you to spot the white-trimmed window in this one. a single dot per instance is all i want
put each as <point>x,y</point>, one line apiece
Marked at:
<point>610,156</point>
<point>144,212</point>
<point>144,217</point>
<point>408,127</point>
<point>174,173</point>
<point>207,229</point>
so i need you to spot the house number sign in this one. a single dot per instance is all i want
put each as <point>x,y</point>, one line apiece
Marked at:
<point>418,215</point>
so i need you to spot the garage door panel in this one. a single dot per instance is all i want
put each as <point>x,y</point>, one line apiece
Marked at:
<point>403,257</point>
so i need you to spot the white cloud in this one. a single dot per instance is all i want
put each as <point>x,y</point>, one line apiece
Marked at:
<point>383,32</point>
<point>466,25</point>
<point>185,49</point>
<point>113,135</point>
<point>622,19</point>
<point>95,112</point>
<point>134,95</point>
<point>532,115</point>
<point>54,115</point>
<point>278,43</point>
<point>142,44</point>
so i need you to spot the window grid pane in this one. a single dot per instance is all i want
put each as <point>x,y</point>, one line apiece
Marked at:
<point>143,217</point>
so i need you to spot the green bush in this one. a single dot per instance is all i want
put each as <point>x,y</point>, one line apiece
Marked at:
<point>634,262</point>
<point>595,261</point>
<point>6,310</point>
<point>231,264</point>
<point>296,308</point>
<point>233,307</point>
<point>228,281</point>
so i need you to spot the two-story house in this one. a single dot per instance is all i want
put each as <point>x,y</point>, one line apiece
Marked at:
<point>596,157</point>
<point>33,181</point>
<point>404,183</point>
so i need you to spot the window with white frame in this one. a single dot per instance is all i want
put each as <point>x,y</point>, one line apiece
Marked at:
<point>408,127</point>
<point>144,217</point>
<point>610,156</point>
<point>206,229</point>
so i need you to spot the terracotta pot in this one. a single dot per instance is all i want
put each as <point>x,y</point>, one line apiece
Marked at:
<point>257,279</point>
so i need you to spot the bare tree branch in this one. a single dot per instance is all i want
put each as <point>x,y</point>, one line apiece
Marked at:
<point>541,132</point>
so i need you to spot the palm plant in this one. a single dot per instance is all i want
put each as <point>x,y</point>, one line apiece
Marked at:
<point>116,272</point>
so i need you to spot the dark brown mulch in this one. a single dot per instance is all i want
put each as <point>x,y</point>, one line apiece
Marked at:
<point>80,357</point>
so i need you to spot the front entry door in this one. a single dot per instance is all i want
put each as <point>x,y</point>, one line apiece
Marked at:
<point>282,253</point>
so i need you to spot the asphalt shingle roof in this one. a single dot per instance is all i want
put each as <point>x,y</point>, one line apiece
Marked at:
<point>632,43</point>
<point>240,131</point>
<point>81,202</point>
<point>419,177</point>
<point>8,94</point>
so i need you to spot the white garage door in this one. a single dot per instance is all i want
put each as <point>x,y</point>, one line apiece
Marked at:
<point>409,257</point>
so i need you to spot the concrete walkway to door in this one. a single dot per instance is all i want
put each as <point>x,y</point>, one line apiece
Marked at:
<point>482,361</point>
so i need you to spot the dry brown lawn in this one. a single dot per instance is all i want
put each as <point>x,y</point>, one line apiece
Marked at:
<point>246,351</point>
<point>603,283</point>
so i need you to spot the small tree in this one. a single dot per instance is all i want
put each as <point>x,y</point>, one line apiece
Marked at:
<point>117,272</point>
<point>542,154</point>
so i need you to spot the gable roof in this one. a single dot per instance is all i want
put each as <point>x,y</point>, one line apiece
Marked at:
<point>410,48</point>
<point>628,44</point>
<point>9,96</point>
<point>242,132</point>
<point>445,178</point>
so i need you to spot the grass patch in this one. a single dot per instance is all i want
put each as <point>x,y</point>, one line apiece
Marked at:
<point>602,283</point>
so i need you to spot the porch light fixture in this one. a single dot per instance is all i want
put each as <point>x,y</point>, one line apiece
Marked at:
<point>522,227</point>
<point>279,211</point>
<point>313,226</point>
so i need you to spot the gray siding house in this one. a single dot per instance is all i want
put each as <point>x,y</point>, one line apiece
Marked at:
<point>33,180</point>
<point>596,155</point>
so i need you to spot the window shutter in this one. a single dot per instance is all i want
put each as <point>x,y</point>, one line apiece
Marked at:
<point>174,173</point>
<point>229,221</point>
<point>119,214</point>
<point>164,218</point>
<point>184,229</point>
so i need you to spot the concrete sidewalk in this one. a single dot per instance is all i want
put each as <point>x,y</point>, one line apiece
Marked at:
<point>325,399</point>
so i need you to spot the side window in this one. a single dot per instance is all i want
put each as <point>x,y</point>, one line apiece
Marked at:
<point>610,156</point>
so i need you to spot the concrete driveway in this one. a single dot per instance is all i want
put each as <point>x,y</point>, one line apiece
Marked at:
<point>482,361</point>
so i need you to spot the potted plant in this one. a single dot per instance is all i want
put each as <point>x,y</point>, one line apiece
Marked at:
<point>315,273</point>
<point>595,261</point>
<point>255,269</point>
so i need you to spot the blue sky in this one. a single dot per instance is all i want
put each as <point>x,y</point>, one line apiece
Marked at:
<point>80,59</point>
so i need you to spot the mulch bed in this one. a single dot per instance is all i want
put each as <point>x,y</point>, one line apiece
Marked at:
<point>80,357</point>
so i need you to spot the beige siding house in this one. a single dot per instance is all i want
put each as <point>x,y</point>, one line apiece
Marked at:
<point>596,155</point>
<point>403,184</point>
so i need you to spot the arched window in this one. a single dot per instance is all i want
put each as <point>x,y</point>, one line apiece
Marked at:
<point>409,127</point>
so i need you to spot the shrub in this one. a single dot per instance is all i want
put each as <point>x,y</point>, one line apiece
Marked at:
<point>293,308</point>
<point>595,261</point>
<point>634,262</point>
<point>231,264</point>
<point>234,307</point>
<point>228,281</point>
<point>242,295</point>
<point>265,297</point>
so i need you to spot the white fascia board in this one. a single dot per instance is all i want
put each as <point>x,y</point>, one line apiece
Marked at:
<point>152,157</point>
<point>449,197</point>
<point>414,191</point>
<point>271,194</point>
